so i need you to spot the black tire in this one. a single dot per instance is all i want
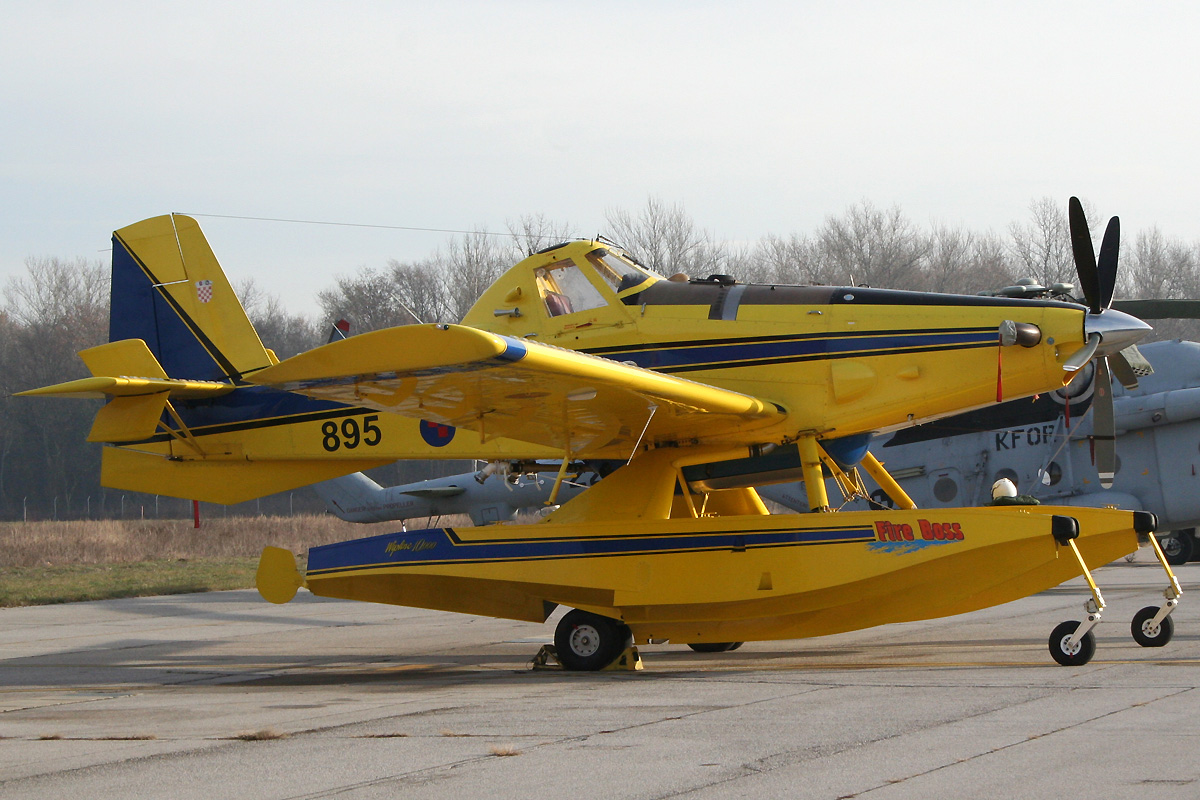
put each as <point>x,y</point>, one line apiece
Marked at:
<point>587,642</point>
<point>715,647</point>
<point>1058,639</point>
<point>1178,547</point>
<point>1151,637</point>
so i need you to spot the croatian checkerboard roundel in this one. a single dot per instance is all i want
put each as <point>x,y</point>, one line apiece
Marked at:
<point>204,291</point>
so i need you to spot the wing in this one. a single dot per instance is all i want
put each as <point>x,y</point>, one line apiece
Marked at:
<point>521,389</point>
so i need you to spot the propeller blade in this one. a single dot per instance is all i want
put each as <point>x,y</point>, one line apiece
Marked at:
<point>1083,355</point>
<point>1124,371</point>
<point>1085,256</point>
<point>1104,428</point>
<point>1106,266</point>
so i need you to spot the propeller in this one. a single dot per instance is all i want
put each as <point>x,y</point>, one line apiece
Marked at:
<point>1108,332</point>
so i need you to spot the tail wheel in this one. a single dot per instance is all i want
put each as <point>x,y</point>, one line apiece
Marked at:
<point>1068,656</point>
<point>715,647</point>
<point>1147,634</point>
<point>587,642</point>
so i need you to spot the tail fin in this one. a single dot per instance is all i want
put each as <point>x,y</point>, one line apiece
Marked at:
<point>169,291</point>
<point>180,412</point>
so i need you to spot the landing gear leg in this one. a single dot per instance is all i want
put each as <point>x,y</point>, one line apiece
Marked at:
<point>1072,643</point>
<point>1152,627</point>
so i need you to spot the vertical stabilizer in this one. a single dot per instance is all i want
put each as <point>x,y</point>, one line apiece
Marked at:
<point>169,291</point>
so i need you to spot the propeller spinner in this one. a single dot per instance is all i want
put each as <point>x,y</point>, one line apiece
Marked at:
<point>1107,331</point>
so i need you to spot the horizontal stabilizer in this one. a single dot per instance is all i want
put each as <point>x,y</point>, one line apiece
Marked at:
<point>435,491</point>
<point>127,369</point>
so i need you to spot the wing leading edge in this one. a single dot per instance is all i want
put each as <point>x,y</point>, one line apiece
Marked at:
<point>521,389</point>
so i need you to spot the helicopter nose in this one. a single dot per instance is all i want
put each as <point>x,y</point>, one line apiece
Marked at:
<point>1117,330</point>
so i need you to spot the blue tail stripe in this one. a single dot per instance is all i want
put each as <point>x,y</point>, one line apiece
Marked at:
<point>139,311</point>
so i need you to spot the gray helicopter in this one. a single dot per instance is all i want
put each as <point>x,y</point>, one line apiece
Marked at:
<point>494,494</point>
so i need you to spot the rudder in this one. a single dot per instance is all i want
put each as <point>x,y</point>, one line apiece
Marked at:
<point>169,290</point>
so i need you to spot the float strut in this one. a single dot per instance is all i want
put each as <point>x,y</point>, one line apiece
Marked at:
<point>814,480</point>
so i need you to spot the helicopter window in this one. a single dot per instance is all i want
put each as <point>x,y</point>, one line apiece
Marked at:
<point>566,290</point>
<point>616,271</point>
<point>945,489</point>
<point>1007,473</point>
<point>1053,474</point>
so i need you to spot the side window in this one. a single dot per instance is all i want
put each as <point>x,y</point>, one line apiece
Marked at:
<point>566,290</point>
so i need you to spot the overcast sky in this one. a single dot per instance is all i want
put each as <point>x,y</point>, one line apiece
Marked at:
<point>758,117</point>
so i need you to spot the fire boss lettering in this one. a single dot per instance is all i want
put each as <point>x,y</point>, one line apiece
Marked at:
<point>930,531</point>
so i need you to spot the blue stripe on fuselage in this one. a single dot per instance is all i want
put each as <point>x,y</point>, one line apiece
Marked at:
<point>715,355</point>
<point>442,545</point>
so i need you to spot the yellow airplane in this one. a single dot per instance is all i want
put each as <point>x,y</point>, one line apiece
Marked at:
<point>700,388</point>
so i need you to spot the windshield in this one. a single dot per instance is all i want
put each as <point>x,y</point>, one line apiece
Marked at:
<point>566,290</point>
<point>616,271</point>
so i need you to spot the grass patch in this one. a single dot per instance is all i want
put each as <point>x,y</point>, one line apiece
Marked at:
<point>264,735</point>
<point>504,750</point>
<point>68,583</point>
<point>61,562</point>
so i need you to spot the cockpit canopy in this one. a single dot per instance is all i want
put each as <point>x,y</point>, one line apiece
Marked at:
<point>565,287</point>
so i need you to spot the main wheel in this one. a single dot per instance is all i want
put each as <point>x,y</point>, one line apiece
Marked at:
<point>715,647</point>
<point>1148,635</point>
<point>1177,546</point>
<point>587,642</point>
<point>1079,655</point>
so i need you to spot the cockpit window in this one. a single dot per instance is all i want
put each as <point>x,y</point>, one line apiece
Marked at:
<point>616,271</point>
<point>566,290</point>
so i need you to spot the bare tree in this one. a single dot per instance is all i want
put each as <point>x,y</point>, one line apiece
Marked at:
<point>665,239</point>
<point>368,300</point>
<point>1157,267</point>
<point>871,245</point>
<point>1041,248</point>
<point>285,334</point>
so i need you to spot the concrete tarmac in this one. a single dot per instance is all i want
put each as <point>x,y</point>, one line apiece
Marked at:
<point>222,695</point>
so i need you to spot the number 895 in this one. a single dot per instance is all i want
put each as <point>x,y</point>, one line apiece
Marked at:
<point>349,434</point>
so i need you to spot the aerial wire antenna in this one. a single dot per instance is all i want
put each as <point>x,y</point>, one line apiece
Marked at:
<point>509,234</point>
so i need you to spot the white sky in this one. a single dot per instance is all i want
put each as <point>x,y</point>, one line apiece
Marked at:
<point>758,117</point>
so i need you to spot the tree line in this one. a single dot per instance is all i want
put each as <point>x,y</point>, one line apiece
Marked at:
<point>60,306</point>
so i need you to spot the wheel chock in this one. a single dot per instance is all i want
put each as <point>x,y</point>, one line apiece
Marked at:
<point>629,660</point>
<point>546,658</point>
